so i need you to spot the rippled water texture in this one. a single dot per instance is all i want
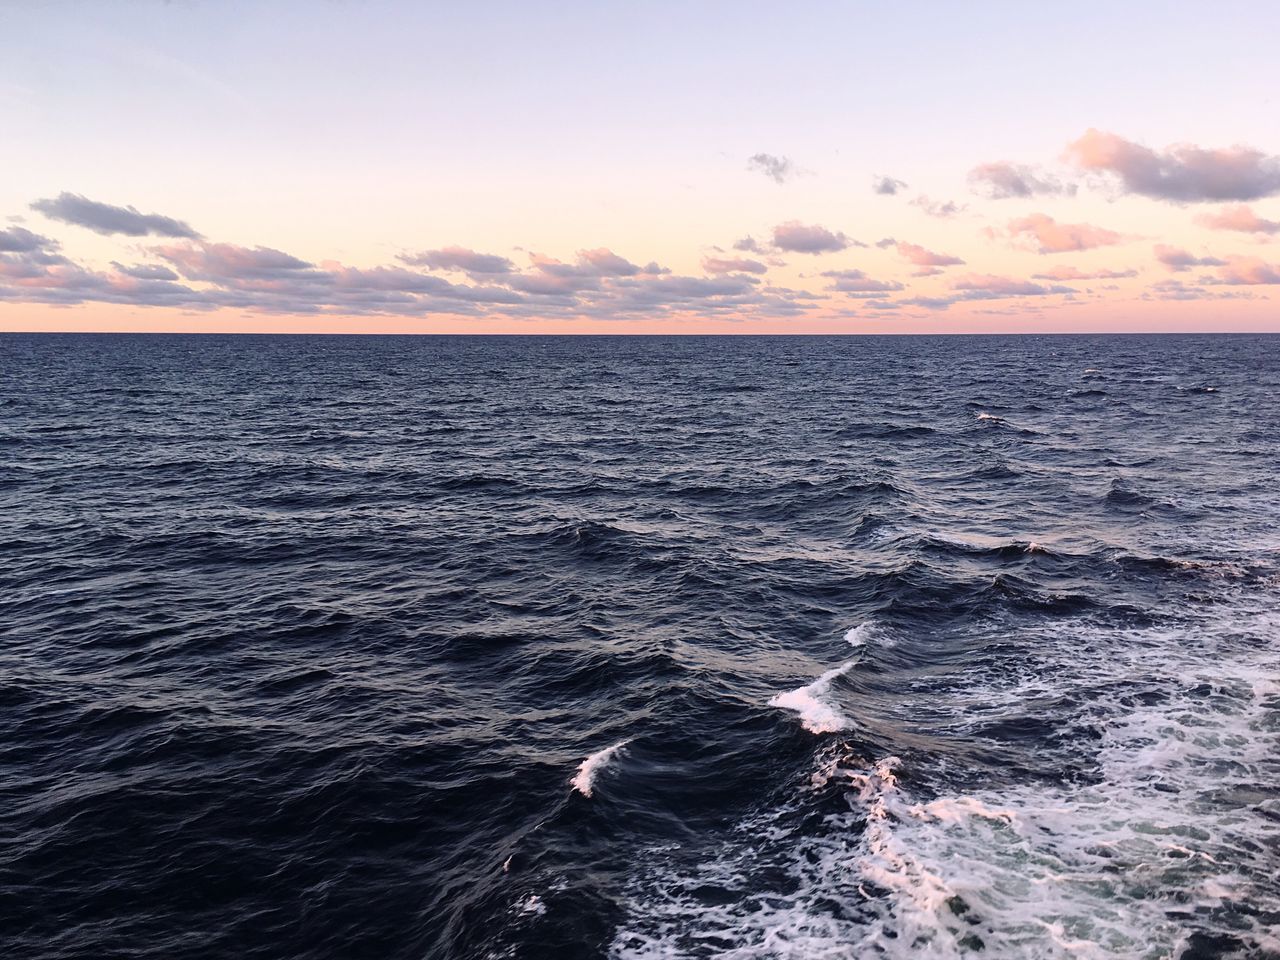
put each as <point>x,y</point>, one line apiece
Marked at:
<point>639,648</point>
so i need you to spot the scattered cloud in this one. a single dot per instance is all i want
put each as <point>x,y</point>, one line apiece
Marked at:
<point>990,286</point>
<point>1001,180</point>
<point>798,237</point>
<point>937,208</point>
<point>719,265</point>
<point>1073,273</point>
<point>107,219</point>
<point>777,169</point>
<point>914,253</point>
<point>858,283</point>
<point>1178,260</point>
<point>748,244</point>
<point>1043,234</point>
<point>459,258</point>
<point>985,286</point>
<point>1248,270</point>
<point>887,186</point>
<point>1183,173</point>
<point>1240,218</point>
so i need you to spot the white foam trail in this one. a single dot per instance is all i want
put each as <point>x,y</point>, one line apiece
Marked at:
<point>589,769</point>
<point>816,714</point>
<point>1170,837</point>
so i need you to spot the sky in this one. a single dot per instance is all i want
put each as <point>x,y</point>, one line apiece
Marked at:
<point>694,167</point>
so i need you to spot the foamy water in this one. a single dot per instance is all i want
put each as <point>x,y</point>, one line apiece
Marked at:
<point>584,780</point>
<point>1166,845</point>
<point>812,702</point>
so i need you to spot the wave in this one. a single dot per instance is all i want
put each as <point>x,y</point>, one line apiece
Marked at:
<point>584,780</point>
<point>1163,850</point>
<point>817,715</point>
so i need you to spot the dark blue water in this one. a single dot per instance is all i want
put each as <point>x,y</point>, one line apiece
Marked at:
<point>878,647</point>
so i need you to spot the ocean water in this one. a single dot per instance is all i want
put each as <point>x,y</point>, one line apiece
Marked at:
<point>639,648</point>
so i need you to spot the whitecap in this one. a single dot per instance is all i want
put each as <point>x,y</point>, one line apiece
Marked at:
<point>584,780</point>
<point>817,715</point>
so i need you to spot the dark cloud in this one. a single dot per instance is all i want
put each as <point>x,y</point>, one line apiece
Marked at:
<point>459,258</point>
<point>1179,260</point>
<point>799,237</point>
<point>18,240</point>
<point>107,219</point>
<point>1001,180</point>
<point>1183,173</point>
<point>887,186</point>
<point>777,169</point>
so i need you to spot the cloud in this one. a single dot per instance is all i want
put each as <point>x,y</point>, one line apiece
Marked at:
<point>598,283</point>
<point>1248,270</point>
<point>735,265</point>
<point>1179,260</point>
<point>1002,180</point>
<point>18,240</point>
<point>146,271</point>
<point>1239,218</point>
<point>608,263</point>
<point>990,286</point>
<point>224,261</point>
<point>857,282</point>
<point>885,242</point>
<point>459,258</point>
<point>805,238</point>
<point>937,208</point>
<point>777,169</point>
<point>914,253</point>
<point>985,286</point>
<point>1043,234</point>
<point>1182,173</point>
<point>748,244</point>
<point>107,219</point>
<point>887,186</point>
<point>1073,273</point>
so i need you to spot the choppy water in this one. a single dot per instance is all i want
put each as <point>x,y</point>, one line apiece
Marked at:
<point>639,648</point>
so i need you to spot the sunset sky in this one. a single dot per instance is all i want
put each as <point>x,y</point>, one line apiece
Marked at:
<point>640,168</point>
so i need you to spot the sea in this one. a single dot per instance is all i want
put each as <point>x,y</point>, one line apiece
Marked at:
<point>639,648</point>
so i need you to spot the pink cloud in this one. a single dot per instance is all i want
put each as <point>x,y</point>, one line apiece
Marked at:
<point>732,265</point>
<point>1181,173</point>
<point>1045,235</point>
<point>1178,260</point>
<point>914,253</point>
<point>996,286</point>
<point>807,238</point>
<point>1075,273</point>
<point>1249,270</point>
<point>1240,218</point>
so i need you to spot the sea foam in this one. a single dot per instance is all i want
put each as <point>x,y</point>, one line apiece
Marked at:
<point>584,780</point>
<point>817,714</point>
